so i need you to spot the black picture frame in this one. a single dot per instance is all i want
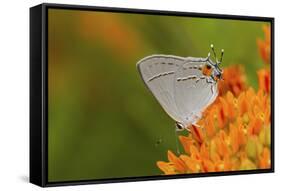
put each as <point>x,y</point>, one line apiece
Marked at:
<point>39,93</point>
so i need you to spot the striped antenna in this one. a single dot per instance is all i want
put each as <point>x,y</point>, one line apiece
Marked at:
<point>214,52</point>
<point>222,51</point>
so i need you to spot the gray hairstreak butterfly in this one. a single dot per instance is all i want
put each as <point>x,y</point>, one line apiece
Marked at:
<point>184,86</point>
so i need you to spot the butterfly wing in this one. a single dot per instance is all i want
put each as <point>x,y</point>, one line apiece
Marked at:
<point>158,73</point>
<point>193,92</point>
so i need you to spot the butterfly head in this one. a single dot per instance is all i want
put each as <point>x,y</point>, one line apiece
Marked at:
<point>216,70</point>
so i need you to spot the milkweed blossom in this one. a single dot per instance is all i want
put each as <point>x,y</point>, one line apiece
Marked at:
<point>264,48</point>
<point>264,79</point>
<point>234,80</point>
<point>234,132</point>
<point>264,45</point>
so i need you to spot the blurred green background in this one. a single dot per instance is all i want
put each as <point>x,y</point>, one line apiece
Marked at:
<point>103,122</point>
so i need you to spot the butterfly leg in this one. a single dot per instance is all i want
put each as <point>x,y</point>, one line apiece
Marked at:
<point>196,125</point>
<point>213,89</point>
<point>210,80</point>
<point>188,128</point>
<point>192,126</point>
<point>177,140</point>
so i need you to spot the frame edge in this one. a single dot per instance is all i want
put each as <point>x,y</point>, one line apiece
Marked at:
<point>36,170</point>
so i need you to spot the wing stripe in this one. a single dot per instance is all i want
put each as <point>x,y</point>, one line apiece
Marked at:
<point>159,75</point>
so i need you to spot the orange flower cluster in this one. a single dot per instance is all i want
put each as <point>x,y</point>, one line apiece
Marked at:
<point>264,80</point>
<point>264,46</point>
<point>234,80</point>
<point>234,134</point>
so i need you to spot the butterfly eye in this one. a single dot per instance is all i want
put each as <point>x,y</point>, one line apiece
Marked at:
<point>219,76</point>
<point>208,67</point>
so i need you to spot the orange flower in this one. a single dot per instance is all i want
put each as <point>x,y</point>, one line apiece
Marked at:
<point>234,80</point>
<point>210,127</point>
<point>265,158</point>
<point>264,80</point>
<point>112,31</point>
<point>167,167</point>
<point>234,134</point>
<point>265,52</point>
<point>186,143</point>
<point>192,164</point>
<point>197,134</point>
<point>264,45</point>
<point>178,163</point>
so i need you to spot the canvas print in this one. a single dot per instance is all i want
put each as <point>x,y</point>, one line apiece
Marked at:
<point>140,95</point>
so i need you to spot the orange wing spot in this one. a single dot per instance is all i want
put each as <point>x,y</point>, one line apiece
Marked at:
<point>207,70</point>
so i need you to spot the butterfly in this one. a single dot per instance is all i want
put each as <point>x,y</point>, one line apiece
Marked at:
<point>184,86</point>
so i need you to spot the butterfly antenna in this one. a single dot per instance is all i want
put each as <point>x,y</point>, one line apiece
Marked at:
<point>214,52</point>
<point>222,52</point>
